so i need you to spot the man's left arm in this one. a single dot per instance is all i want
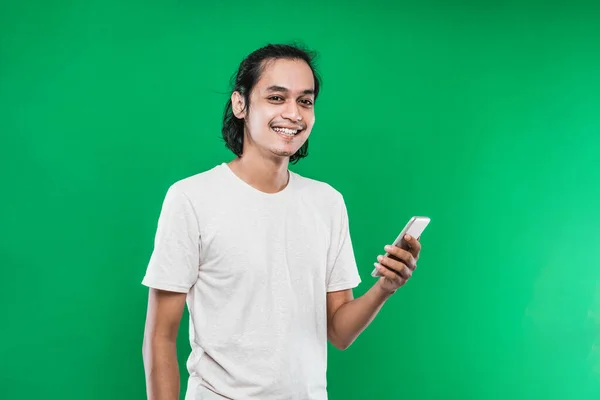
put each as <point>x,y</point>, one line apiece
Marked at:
<point>348,317</point>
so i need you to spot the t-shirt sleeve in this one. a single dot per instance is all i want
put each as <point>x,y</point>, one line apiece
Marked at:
<point>342,271</point>
<point>175,259</point>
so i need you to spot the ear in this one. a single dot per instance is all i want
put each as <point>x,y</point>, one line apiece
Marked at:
<point>237,105</point>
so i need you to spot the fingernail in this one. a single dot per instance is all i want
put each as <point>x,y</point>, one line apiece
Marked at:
<point>377,265</point>
<point>379,258</point>
<point>407,237</point>
<point>387,248</point>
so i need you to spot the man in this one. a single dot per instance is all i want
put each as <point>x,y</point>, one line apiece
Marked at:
<point>262,255</point>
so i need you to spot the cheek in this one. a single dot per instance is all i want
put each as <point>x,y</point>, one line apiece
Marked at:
<point>264,118</point>
<point>310,120</point>
<point>258,121</point>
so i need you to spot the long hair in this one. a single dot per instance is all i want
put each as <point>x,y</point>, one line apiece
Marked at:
<point>244,80</point>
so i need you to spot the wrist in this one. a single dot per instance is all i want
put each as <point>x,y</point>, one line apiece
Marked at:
<point>382,291</point>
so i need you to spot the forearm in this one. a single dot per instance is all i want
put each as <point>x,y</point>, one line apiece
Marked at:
<point>162,369</point>
<point>353,317</point>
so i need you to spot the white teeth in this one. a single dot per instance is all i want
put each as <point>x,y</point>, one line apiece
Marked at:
<point>286,131</point>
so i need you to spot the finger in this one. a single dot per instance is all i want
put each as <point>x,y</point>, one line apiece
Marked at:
<point>415,246</point>
<point>410,244</point>
<point>389,274</point>
<point>405,273</point>
<point>402,255</point>
<point>397,266</point>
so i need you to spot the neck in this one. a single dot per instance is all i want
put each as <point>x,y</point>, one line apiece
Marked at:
<point>266,175</point>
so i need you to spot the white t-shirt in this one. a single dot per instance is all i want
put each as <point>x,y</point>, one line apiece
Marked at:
<point>256,268</point>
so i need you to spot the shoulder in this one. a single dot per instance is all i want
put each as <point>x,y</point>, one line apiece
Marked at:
<point>194,185</point>
<point>319,191</point>
<point>192,192</point>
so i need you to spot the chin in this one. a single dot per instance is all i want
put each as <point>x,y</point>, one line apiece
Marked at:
<point>283,153</point>
<point>287,149</point>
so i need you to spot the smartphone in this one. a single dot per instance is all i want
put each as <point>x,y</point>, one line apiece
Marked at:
<point>414,228</point>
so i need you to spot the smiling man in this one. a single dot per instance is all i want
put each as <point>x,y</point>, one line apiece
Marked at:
<point>262,256</point>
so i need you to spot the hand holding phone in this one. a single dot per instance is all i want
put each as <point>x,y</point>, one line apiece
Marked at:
<point>414,228</point>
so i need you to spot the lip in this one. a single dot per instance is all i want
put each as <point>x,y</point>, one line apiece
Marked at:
<point>294,128</point>
<point>284,136</point>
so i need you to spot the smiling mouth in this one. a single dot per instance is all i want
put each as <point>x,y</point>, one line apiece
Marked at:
<point>287,131</point>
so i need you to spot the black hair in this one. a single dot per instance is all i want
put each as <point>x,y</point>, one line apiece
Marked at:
<point>244,80</point>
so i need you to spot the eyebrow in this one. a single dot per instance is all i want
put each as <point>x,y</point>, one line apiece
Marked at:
<point>275,88</point>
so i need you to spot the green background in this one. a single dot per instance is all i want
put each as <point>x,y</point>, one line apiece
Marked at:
<point>484,116</point>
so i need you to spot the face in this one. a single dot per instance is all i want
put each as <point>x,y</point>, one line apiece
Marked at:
<point>281,114</point>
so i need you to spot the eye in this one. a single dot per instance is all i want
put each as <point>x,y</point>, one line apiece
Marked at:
<point>276,98</point>
<point>307,102</point>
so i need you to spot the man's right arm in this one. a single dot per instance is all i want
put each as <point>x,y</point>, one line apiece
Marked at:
<point>159,351</point>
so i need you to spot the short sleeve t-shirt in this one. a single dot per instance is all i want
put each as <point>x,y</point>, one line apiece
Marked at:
<point>256,268</point>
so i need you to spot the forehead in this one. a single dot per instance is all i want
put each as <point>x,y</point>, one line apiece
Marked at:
<point>294,75</point>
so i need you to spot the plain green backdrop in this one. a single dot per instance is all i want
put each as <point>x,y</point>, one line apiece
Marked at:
<point>484,116</point>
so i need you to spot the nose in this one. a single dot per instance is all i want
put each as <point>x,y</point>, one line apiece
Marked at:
<point>291,112</point>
